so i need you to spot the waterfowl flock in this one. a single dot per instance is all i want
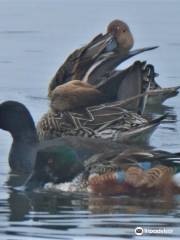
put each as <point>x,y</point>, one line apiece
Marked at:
<point>87,141</point>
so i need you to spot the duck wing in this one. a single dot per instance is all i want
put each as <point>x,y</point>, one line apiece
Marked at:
<point>143,158</point>
<point>76,65</point>
<point>107,121</point>
<point>121,85</point>
<point>108,61</point>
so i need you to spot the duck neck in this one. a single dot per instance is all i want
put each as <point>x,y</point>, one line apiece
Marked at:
<point>23,150</point>
<point>27,136</point>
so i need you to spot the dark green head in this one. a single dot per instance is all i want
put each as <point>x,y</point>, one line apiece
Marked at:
<point>55,164</point>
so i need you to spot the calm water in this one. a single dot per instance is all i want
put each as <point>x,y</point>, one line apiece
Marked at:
<point>35,38</point>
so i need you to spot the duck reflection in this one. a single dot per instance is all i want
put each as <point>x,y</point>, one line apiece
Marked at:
<point>162,109</point>
<point>23,205</point>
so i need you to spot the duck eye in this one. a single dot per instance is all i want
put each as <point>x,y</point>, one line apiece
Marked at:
<point>124,30</point>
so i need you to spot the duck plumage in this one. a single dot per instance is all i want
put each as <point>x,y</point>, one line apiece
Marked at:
<point>108,120</point>
<point>103,54</point>
<point>120,171</point>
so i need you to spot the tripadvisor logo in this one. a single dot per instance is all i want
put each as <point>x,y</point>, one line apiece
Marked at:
<point>139,231</point>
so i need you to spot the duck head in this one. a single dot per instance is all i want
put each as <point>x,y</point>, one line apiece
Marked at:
<point>17,120</point>
<point>55,164</point>
<point>118,50</point>
<point>122,34</point>
<point>74,95</point>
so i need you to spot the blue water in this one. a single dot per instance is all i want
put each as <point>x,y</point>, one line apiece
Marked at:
<point>35,38</point>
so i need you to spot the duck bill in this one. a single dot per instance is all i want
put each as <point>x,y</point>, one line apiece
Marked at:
<point>34,182</point>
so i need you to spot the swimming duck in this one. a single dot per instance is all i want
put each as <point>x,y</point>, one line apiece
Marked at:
<point>101,55</point>
<point>17,120</point>
<point>129,171</point>
<point>73,112</point>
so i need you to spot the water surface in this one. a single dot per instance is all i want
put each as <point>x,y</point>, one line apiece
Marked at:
<point>36,36</point>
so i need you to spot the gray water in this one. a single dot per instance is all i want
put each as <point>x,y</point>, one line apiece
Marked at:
<point>35,38</point>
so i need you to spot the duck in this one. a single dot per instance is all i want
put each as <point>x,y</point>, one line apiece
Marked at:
<point>99,59</point>
<point>73,112</point>
<point>131,171</point>
<point>140,78</point>
<point>102,54</point>
<point>16,119</point>
<point>27,138</point>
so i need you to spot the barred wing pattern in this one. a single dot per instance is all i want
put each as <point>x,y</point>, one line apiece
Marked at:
<point>106,121</point>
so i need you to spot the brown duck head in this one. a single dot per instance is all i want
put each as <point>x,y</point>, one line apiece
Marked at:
<point>122,34</point>
<point>75,95</point>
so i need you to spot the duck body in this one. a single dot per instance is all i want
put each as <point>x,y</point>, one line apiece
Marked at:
<point>100,56</point>
<point>103,70</point>
<point>107,121</point>
<point>98,60</point>
<point>135,171</point>
<point>138,171</point>
<point>72,113</point>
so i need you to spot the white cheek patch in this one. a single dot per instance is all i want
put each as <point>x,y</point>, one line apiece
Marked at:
<point>176,179</point>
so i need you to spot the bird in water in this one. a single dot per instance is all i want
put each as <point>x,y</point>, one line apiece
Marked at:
<point>79,109</point>
<point>64,159</point>
<point>96,62</point>
<point>17,120</point>
<point>101,55</point>
<point>135,171</point>
<point>100,121</point>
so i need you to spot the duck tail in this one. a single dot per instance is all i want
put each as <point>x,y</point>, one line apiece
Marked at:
<point>158,120</point>
<point>177,154</point>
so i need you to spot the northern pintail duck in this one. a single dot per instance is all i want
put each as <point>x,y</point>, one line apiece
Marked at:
<point>134,171</point>
<point>73,112</point>
<point>101,55</point>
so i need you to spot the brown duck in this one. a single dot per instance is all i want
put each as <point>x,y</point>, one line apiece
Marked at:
<point>78,108</point>
<point>101,55</point>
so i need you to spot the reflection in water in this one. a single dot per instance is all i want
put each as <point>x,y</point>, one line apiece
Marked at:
<point>162,109</point>
<point>72,214</point>
<point>35,39</point>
